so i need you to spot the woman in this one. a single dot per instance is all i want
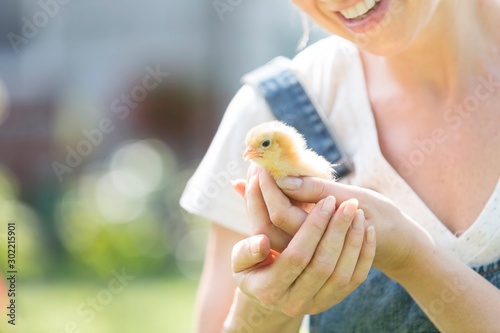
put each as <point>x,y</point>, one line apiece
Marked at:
<point>411,88</point>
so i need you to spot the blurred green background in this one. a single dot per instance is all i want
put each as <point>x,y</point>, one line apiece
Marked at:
<point>106,108</point>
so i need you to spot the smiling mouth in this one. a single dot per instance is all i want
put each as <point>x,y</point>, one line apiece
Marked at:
<point>359,10</point>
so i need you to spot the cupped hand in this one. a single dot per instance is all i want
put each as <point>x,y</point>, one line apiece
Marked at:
<point>397,233</point>
<point>328,257</point>
<point>268,208</point>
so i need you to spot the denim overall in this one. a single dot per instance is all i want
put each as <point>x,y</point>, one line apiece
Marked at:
<point>379,304</point>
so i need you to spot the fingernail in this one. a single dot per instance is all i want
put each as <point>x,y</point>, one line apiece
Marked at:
<point>328,205</point>
<point>350,207</point>
<point>290,183</point>
<point>359,220</point>
<point>370,234</point>
<point>255,245</point>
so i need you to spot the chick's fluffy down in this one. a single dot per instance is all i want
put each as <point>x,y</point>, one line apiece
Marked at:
<point>283,151</point>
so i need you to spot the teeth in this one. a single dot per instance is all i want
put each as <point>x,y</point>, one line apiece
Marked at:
<point>359,9</point>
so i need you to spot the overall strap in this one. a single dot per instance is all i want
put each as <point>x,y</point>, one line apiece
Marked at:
<point>291,104</point>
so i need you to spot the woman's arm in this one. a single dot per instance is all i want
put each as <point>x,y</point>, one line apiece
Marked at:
<point>455,298</point>
<point>216,289</point>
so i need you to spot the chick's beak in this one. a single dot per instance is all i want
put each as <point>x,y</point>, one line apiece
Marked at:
<point>251,153</point>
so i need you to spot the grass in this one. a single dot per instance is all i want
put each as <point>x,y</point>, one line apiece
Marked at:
<point>144,305</point>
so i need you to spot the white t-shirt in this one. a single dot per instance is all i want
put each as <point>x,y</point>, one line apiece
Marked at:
<point>332,73</point>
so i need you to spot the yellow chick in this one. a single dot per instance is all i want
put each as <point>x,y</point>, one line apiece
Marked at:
<point>283,151</point>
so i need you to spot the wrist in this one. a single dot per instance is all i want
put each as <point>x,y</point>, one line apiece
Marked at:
<point>422,251</point>
<point>247,315</point>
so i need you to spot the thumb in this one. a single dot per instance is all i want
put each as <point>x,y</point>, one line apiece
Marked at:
<point>313,189</point>
<point>252,252</point>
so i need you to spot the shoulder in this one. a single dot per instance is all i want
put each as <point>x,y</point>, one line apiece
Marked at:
<point>327,50</point>
<point>320,65</point>
<point>330,67</point>
<point>332,54</point>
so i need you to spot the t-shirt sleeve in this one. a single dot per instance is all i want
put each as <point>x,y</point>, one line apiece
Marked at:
<point>209,192</point>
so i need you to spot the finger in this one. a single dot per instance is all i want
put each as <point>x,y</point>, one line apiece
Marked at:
<point>313,189</point>
<point>249,252</point>
<point>366,257</point>
<point>259,216</point>
<point>239,186</point>
<point>360,274</point>
<point>328,252</point>
<point>295,258</point>
<point>256,207</point>
<point>348,260</point>
<point>282,212</point>
<point>253,169</point>
<point>342,282</point>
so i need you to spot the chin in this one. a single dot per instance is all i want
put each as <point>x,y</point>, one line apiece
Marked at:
<point>389,47</point>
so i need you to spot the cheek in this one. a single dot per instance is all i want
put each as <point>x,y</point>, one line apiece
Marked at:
<point>318,12</point>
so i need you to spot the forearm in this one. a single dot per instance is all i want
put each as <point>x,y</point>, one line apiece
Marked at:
<point>454,297</point>
<point>247,316</point>
<point>213,303</point>
<point>216,289</point>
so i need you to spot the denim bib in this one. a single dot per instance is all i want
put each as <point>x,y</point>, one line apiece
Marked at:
<point>380,304</point>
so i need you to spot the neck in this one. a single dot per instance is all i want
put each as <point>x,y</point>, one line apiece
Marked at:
<point>458,46</point>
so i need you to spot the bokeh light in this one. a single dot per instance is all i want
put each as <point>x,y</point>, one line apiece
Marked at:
<point>115,205</point>
<point>101,219</point>
<point>138,168</point>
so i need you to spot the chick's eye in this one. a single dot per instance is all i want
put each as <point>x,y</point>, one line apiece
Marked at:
<point>266,143</point>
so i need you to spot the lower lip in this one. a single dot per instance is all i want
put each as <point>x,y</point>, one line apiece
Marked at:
<point>368,22</point>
